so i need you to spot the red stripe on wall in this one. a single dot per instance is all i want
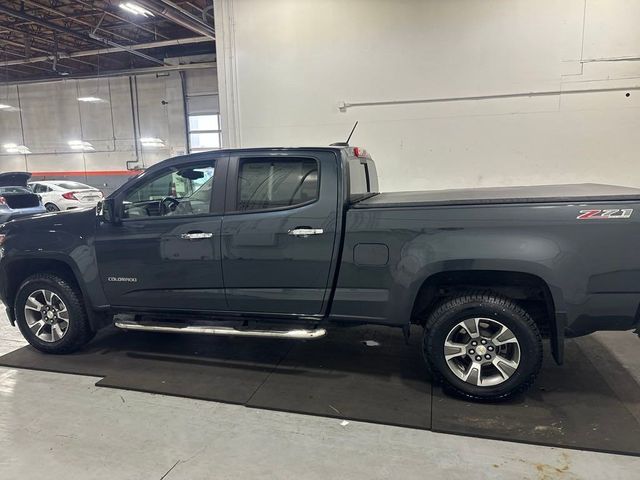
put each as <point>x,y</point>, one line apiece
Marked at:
<point>88,173</point>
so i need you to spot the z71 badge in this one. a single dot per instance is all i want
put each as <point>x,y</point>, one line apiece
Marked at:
<point>609,214</point>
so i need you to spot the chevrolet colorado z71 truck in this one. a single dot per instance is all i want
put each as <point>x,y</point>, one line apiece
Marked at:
<point>285,242</point>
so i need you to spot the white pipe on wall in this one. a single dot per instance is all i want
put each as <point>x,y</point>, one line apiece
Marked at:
<point>343,106</point>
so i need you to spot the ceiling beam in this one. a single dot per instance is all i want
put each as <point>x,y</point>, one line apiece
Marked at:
<point>91,37</point>
<point>113,73</point>
<point>45,23</point>
<point>76,19</point>
<point>125,20</point>
<point>172,12</point>
<point>113,49</point>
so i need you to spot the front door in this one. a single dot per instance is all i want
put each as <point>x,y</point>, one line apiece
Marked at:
<point>279,232</point>
<point>166,253</point>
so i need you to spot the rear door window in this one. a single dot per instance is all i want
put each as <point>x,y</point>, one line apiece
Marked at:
<point>266,184</point>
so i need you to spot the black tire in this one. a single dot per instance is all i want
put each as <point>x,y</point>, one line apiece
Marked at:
<point>491,306</point>
<point>51,207</point>
<point>78,331</point>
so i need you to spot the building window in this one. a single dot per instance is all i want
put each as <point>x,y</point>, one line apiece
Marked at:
<point>204,132</point>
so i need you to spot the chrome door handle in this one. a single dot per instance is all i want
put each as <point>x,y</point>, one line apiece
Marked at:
<point>305,231</point>
<point>196,235</point>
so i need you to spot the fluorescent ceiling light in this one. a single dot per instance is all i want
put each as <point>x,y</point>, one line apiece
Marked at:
<point>136,9</point>
<point>3,106</point>
<point>152,142</point>
<point>80,145</point>
<point>91,99</point>
<point>15,148</point>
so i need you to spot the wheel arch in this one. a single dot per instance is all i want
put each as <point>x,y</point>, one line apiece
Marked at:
<point>528,289</point>
<point>19,269</point>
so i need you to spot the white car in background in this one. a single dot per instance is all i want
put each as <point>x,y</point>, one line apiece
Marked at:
<point>66,195</point>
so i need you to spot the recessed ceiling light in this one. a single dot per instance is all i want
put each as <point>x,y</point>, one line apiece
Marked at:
<point>152,142</point>
<point>80,145</point>
<point>136,9</point>
<point>91,99</point>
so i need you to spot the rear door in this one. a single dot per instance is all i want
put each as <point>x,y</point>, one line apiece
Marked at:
<point>279,232</point>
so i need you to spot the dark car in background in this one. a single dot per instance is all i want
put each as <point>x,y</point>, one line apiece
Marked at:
<point>16,200</point>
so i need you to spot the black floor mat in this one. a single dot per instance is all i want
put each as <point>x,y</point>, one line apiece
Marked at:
<point>570,406</point>
<point>363,373</point>
<point>343,377</point>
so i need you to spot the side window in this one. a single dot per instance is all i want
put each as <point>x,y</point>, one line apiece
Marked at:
<point>35,188</point>
<point>266,183</point>
<point>179,191</point>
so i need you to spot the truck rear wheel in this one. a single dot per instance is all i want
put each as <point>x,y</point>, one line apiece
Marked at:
<point>51,315</point>
<point>483,346</point>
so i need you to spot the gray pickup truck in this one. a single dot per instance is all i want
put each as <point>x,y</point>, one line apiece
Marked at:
<point>289,242</point>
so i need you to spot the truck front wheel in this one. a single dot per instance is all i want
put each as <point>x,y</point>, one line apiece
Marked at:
<point>483,346</point>
<point>51,315</point>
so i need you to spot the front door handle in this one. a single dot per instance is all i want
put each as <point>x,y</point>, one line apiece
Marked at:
<point>304,232</point>
<point>196,235</point>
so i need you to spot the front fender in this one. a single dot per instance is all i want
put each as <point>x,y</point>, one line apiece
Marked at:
<point>64,238</point>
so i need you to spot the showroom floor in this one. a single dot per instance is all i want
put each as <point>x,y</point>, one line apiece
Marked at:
<point>60,425</point>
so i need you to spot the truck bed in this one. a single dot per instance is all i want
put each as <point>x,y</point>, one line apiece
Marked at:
<point>585,192</point>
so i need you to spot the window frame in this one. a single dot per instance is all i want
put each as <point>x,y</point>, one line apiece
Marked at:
<point>216,202</point>
<point>233,187</point>
<point>195,132</point>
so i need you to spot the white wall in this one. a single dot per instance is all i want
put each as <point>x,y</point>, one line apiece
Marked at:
<point>50,115</point>
<point>286,65</point>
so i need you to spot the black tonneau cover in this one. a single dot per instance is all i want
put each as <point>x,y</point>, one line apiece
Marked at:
<point>584,192</point>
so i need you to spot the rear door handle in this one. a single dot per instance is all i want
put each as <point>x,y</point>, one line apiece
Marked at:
<point>304,232</point>
<point>196,235</point>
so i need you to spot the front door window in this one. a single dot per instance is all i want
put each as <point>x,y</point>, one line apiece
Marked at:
<point>179,192</point>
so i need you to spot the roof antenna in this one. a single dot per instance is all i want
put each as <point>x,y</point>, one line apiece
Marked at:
<point>345,144</point>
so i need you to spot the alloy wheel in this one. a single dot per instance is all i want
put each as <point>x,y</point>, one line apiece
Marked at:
<point>46,315</point>
<point>482,351</point>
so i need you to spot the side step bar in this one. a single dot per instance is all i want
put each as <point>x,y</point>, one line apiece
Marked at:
<point>299,334</point>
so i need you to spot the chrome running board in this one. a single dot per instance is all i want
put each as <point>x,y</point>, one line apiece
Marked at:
<point>300,334</point>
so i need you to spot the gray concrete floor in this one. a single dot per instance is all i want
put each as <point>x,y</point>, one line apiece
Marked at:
<point>62,426</point>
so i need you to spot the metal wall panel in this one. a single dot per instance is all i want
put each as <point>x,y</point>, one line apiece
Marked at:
<point>52,116</point>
